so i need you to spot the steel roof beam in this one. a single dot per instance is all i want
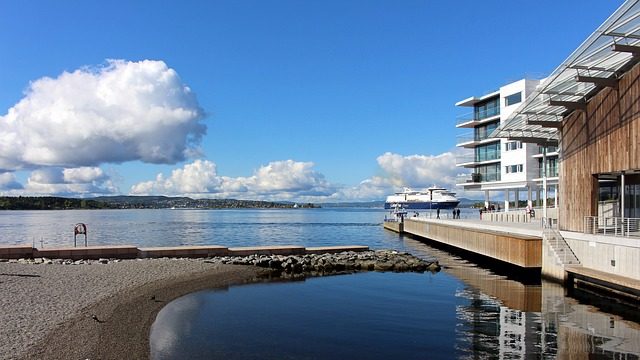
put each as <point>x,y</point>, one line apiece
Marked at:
<point>635,50</point>
<point>546,124</point>
<point>561,93</point>
<point>540,113</point>
<point>534,140</point>
<point>606,82</point>
<point>593,68</point>
<point>570,105</point>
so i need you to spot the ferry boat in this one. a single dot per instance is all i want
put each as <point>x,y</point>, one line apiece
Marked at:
<point>432,198</point>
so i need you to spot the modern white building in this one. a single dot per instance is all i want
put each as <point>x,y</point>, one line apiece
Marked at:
<point>504,166</point>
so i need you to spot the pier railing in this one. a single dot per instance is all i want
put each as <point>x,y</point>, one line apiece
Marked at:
<point>612,226</point>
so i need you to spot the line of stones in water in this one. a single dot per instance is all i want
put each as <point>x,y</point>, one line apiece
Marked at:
<point>378,260</point>
<point>350,261</point>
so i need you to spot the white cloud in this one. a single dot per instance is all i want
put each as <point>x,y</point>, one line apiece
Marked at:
<point>8,182</point>
<point>298,181</point>
<point>278,180</point>
<point>69,182</point>
<point>198,177</point>
<point>375,188</point>
<point>419,170</point>
<point>83,175</point>
<point>119,112</point>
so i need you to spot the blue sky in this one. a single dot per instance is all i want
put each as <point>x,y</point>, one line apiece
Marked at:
<point>301,100</point>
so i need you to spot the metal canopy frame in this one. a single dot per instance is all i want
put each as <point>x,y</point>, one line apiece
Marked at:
<point>597,63</point>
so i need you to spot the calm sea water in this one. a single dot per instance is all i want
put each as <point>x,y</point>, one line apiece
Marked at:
<point>464,311</point>
<point>165,227</point>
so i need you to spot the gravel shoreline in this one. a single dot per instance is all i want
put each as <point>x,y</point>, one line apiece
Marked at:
<point>47,309</point>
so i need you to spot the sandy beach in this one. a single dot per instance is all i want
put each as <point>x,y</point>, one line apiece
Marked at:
<point>50,311</point>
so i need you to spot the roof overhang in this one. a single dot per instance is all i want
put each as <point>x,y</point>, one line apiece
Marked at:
<point>474,100</point>
<point>596,64</point>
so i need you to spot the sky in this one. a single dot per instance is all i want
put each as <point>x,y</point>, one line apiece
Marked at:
<point>314,101</point>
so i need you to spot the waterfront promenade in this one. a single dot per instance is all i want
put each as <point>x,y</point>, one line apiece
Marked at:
<point>610,263</point>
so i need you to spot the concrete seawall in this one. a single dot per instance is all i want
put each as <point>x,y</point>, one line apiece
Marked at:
<point>522,249</point>
<point>611,264</point>
<point>132,252</point>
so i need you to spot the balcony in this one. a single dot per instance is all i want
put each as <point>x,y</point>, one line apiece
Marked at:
<point>472,119</point>
<point>470,139</point>
<point>550,150</point>
<point>473,159</point>
<point>475,178</point>
<point>552,171</point>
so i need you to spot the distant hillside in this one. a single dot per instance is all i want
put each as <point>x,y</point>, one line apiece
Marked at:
<point>465,202</point>
<point>164,202</point>
<point>49,203</point>
<point>355,204</point>
<point>137,202</point>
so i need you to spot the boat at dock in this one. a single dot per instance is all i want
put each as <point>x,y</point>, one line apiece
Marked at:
<point>431,198</point>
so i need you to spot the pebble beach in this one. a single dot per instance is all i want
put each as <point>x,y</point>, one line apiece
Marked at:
<point>103,309</point>
<point>50,311</point>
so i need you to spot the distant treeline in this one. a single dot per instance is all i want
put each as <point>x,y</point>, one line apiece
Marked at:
<point>50,203</point>
<point>137,202</point>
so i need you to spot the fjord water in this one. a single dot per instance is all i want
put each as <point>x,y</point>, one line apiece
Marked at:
<point>464,311</point>
<point>165,227</point>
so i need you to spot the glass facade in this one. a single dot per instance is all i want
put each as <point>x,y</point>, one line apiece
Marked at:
<point>482,132</point>
<point>487,152</point>
<point>485,173</point>
<point>609,197</point>
<point>486,109</point>
<point>550,149</point>
<point>552,167</point>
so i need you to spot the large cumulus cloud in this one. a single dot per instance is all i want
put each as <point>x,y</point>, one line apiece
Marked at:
<point>419,170</point>
<point>118,112</point>
<point>281,180</point>
<point>8,182</point>
<point>298,181</point>
<point>85,181</point>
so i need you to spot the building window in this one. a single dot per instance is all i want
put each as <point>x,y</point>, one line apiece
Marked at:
<point>483,132</point>
<point>512,145</point>
<point>552,167</point>
<point>487,109</point>
<point>513,168</point>
<point>487,152</point>
<point>513,99</point>
<point>486,173</point>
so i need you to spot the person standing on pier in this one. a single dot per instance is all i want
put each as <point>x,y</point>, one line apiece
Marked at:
<point>438,213</point>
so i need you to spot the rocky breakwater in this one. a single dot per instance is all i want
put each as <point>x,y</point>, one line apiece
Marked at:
<point>318,264</point>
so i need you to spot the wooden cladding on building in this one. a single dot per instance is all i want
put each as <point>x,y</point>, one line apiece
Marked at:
<point>603,139</point>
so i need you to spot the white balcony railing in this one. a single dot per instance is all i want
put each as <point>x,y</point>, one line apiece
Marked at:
<point>612,226</point>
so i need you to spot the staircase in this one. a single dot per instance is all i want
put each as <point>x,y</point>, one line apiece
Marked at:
<point>560,248</point>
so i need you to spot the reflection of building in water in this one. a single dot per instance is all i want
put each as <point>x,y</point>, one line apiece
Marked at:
<point>493,330</point>
<point>582,330</point>
<point>563,329</point>
<point>504,318</point>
